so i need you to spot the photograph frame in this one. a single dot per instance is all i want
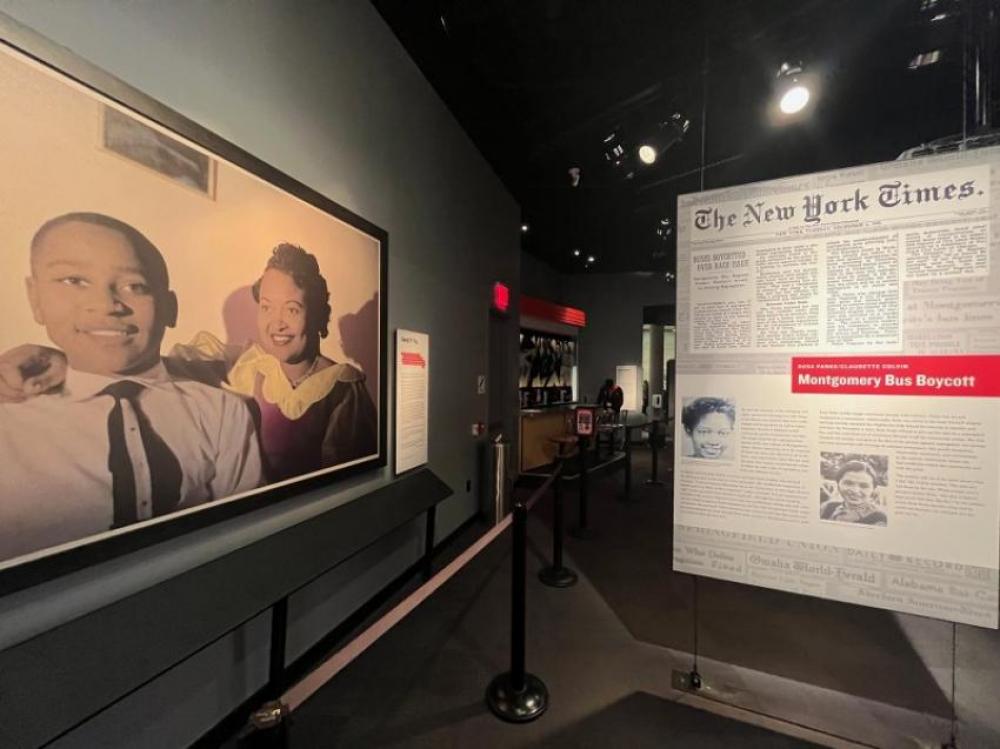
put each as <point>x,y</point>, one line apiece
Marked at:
<point>73,68</point>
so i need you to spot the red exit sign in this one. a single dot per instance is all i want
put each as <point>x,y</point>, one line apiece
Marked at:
<point>501,297</point>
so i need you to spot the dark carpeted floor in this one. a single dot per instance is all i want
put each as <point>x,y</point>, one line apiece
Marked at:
<point>423,684</point>
<point>851,649</point>
<point>601,646</point>
<point>645,721</point>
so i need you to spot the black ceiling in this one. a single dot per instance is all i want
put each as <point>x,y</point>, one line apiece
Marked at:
<point>538,85</point>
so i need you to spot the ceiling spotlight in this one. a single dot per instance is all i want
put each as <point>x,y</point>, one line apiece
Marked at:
<point>524,228</point>
<point>591,258</point>
<point>576,253</point>
<point>794,100</point>
<point>672,129</point>
<point>668,132</point>
<point>614,150</point>
<point>793,89</point>
<point>924,59</point>
<point>665,229</point>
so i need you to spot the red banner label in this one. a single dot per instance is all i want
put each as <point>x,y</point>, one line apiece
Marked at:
<point>411,359</point>
<point>964,376</point>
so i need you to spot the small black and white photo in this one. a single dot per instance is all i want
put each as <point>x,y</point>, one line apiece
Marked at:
<point>854,488</point>
<point>140,143</point>
<point>709,426</point>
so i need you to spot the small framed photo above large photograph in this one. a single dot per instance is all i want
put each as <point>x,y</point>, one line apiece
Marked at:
<point>132,139</point>
<point>187,332</point>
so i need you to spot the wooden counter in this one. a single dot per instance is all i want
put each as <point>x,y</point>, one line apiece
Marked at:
<point>538,428</point>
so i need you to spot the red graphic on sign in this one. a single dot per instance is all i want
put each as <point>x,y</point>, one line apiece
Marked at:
<point>412,359</point>
<point>962,376</point>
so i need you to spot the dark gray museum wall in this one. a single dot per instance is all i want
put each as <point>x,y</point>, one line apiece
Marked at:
<point>613,336</point>
<point>324,92</point>
<point>541,280</point>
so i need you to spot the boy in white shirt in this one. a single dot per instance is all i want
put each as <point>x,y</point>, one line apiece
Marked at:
<point>122,440</point>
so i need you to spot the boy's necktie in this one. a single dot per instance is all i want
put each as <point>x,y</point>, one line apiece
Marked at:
<point>164,468</point>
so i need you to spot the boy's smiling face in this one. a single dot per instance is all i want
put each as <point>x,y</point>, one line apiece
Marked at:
<point>99,301</point>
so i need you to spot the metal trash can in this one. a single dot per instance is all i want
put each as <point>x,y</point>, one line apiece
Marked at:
<point>499,507</point>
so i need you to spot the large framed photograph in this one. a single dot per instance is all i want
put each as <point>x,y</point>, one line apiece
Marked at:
<point>186,334</point>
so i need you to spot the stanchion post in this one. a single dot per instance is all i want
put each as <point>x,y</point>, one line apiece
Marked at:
<point>268,726</point>
<point>279,635</point>
<point>654,453</point>
<point>428,561</point>
<point>517,600</point>
<point>581,530</point>
<point>517,696</point>
<point>557,576</point>
<point>628,463</point>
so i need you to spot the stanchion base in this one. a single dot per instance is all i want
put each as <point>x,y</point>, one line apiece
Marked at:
<point>582,533</point>
<point>268,727</point>
<point>557,577</point>
<point>517,707</point>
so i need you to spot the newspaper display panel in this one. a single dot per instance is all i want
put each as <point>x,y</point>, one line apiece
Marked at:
<point>837,382</point>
